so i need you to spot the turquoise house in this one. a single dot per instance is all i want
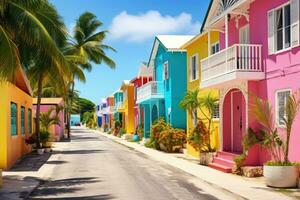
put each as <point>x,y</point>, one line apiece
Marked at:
<point>75,119</point>
<point>161,96</point>
<point>119,110</point>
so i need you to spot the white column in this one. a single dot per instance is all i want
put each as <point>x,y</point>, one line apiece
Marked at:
<point>226,31</point>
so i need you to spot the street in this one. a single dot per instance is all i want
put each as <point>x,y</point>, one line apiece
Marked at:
<point>94,167</point>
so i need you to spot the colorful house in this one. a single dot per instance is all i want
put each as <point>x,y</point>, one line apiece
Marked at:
<point>57,131</point>
<point>102,114</point>
<point>197,49</point>
<point>128,106</point>
<point>16,119</point>
<point>143,77</point>
<point>110,111</point>
<point>119,114</point>
<point>161,96</point>
<point>75,119</point>
<point>265,63</point>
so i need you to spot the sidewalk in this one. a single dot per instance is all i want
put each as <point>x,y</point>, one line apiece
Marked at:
<point>239,187</point>
<point>28,172</point>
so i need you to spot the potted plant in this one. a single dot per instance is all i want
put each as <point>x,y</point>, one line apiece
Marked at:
<point>279,172</point>
<point>199,138</point>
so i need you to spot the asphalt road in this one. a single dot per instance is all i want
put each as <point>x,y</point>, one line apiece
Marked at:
<point>94,167</point>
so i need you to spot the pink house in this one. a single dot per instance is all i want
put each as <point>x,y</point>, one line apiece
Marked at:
<point>143,77</point>
<point>258,53</point>
<point>57,131</point>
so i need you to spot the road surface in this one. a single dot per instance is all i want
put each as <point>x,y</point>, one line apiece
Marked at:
<point>94,167</point>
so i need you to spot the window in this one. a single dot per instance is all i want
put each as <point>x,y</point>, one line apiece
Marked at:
<point>283,27</point>
<point>281,100</point>
<point>22,120</point>
<point>13,119</point>
<point>29,121</point>
<point>215,48</point>
<point>194,67</point>
<point>166,71</point>
<point>216,113</point>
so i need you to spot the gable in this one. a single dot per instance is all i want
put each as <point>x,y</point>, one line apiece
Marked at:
<point>22,82</point>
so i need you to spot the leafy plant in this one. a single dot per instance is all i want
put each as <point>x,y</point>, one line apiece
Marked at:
<point>44,137</point>
<point>51,117</point>
<point>158,126</point>
<point>191,103</point>
<point>198,138</point>
<point>278,147</point>
<point>121,132</point>
<point>171,138</point>
<point>140,131</point>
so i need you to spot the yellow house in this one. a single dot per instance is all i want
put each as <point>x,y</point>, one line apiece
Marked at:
<point>128,104</point>
<point>16,119</point>
<point>197,49</point>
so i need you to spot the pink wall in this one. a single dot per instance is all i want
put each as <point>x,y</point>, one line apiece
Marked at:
<point>282,69</point>
<point>58,129</point>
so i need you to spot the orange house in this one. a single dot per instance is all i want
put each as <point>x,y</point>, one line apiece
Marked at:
<point>15,119</point>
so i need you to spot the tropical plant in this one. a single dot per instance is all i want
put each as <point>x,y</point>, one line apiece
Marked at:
<point>140,131</point>
<point>191,103</point>
<point>51,117</point>
<point>158,126</point>
<point>45,137</point>
<point>198,138</point>
<point>172,139</point>
<point>87,43</point>
<point>278,147</point>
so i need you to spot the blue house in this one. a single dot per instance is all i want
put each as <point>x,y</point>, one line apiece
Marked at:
<point>102,114</point>
<point>161,97</point>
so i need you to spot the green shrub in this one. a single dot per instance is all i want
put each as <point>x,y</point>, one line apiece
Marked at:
<point>44,137</point>
<point>276,163</point>
<point>121,132</point>
<point>199,138</point>
<point>171,138</point>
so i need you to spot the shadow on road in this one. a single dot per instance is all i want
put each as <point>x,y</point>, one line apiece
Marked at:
<point>95,197</point>
<point>31,162</point>
<point>65,187</point>
<point>70,152</point>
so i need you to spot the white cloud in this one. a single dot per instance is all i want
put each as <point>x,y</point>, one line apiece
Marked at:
<point>138,28</point>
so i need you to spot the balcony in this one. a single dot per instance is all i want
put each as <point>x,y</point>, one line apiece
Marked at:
<point>238,62</point>
<point>151,90</point>
<point>120,106</point>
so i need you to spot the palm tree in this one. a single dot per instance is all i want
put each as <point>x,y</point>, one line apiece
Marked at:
<point>87,43</point>
<point>191,103</point>
<point>208,104</point>
<point>27,27</point>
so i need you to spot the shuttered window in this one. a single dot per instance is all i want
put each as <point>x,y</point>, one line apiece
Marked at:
<point>22,120</point>
<point>216,113</point>
<point>29,121</point>
<point>13,119</point>
<point>281,100</point>
<point>166,71</point>
<point>283,27</point>
<point>194,67</point>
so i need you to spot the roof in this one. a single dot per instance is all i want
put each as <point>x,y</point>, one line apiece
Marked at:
<point>206,16</point>
<point>22,82</point>
<point>55,101</point>
<point>170,42</point>
<point>174,42</point>
<point>145,71</point>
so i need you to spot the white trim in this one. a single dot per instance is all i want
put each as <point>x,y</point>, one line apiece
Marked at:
<point>276,106</point>
<point>213,45</point>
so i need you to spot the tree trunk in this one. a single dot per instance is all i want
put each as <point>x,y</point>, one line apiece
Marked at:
<point>195,117</point>
<point>69,115</point>
<point>286,152</point>
<point>38,110</point>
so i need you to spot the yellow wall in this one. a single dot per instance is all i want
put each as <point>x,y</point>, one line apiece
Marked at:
<point>12,147</point>
<point>129,108</point>
<point>200,46</point>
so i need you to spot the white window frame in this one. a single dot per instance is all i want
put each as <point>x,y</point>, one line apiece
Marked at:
<point>191,67</point>
<point>277,108</point>
<point>283,27</point>
<point>166,66</point>
<point>216,118</point>
<point>214,46</point>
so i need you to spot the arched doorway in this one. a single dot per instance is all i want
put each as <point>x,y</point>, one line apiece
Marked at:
<point>154,113</point>
<point>234,121</point>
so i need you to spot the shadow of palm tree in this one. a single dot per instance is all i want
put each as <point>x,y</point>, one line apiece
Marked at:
<point>65,186</point>
<point>79,151</point>
<point>94,197</point>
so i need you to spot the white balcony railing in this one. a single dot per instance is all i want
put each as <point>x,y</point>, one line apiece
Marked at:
<point>152,89</point>
<point>237,58</point>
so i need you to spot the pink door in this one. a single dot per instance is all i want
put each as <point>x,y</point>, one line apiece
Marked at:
<point>238,123</point>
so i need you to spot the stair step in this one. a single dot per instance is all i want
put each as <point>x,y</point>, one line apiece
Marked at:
<point>221,168</point>
<point>226,155</point>
<point>222,161</point>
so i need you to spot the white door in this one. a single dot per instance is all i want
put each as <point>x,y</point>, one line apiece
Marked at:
<point>245,35</point>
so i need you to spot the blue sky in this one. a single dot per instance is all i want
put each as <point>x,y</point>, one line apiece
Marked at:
<point>132,25</point>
